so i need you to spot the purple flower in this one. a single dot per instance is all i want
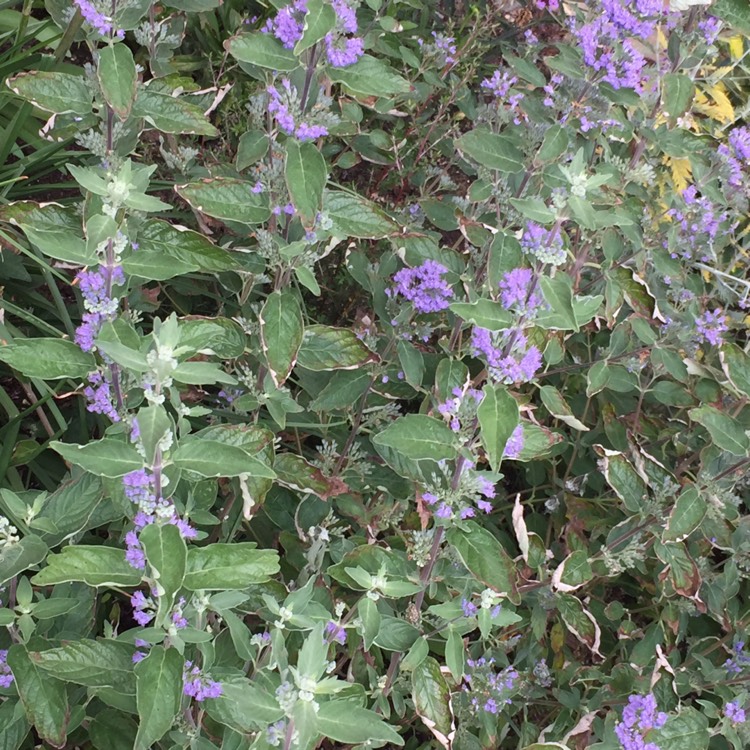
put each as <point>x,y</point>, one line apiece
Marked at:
<point>518,291</point>
<point>281,105</point>
<point>734,713</point>
<point>500,83</point>
<point>288,25</point>
<point>94,18</point>
<point>711,325</point>
<point>334,632</point>
<point>134,552</point>
<point>342,52</point>
<point>424,286</point>
<point>469,608</point>
<point>346,17</point>
<point>519,366</point>
<point>739,659</point>
<point>99,396</point>
<point>178,619</point>
<point>143,608</point>
<point>514,446</point>
<point>6,676</point>
<point>486,487</point>
<point>138,487</point>
<point>545,244</point>
<point>446,47</point>
<point>639,717</point>
<point>736,154</point>
<point>198,685</point>
<point>88,330</point>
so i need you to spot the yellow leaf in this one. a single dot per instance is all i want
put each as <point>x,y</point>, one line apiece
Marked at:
<point>682,172</point>
<point>736,47</point>
<point>720,109</point>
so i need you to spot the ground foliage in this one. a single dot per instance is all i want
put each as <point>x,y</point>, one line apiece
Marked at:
<point>374,374</point>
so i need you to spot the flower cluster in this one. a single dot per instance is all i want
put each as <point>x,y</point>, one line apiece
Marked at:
<point>288,24</point>
<point>343,49</point>
<point>735,713</point>
<point>487,688</point>
<point>144,608</point>
<point>697,225</point>
<point>96,19</point>
<point>736,155</point>
<point>739,659</point>
<point>96,288</point>
<point>8,533</point>
<point>500,85</point>
<point>474,491</point>
<point>198,685</point>
<point>638,718</point>
<point>519,292</point>
<point>544,244</point>
<point>517,365</point>
<point>334,632</point>
<point>99,396</point>
<point>6,676</point>
<point>711,325</point>
<point>461,410</point>
<point>515,443</point>
<point>283,105</point>
<point>424,286</point>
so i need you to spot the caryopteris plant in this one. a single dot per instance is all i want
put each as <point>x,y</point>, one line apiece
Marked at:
<point>375,375</point>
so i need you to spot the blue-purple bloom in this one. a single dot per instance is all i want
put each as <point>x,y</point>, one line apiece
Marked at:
<point>99,396</point>
<point>461,410</point>
<point>519,292</point>
<point>335,632</point>
<point>736,154</point>
<point>6,676</point>
<point>711,325</point>
<point>281,106</point>
<point>638,718</point>
<point>468,608</point>
<point>514,446</point>
<point>96,19</point>
<point>739,659</point>
<point>424,286</point>
<point>735,713</point>
<point>519,366</point>
<point>545,244</point>
<point>488,689</point>
<point>198,685</point>
<point>144,608</point>
<point>288,24</point>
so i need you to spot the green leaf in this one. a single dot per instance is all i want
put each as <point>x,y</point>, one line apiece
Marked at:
<point>201,373</point>
<point>353,216</point>
<point>171,114</point>
<point>431,697</point>
<point>227,199</point>
<point>726,432</point>
<point>157,266</point>
<point>158,694</point>
<point>220,337</point>
<point>252,147</point>
<point>491,150</point>
<point>348,724</point>
<point>263,50</point>
<point>484,313</point>
<point>625,481</point>
<point>104,458</point>
<point>210,458</point>
<point>243,706</point>
<point>48,359</point>
<point>229,566</point>
<point>177,242</point>
<point>686,516</point>
<point>677,94</point>
<point>319,20</point>
<point>534,209</point>
<point>370,76</point>
<point>20,556</point>
<point>153,425</point>
<point>736,366</point>
<point>573,572</point>
<point>412,363</point>
<point>736,14</point>
<point>101,663</point>
<point>95,566</point>
<point>418,436</point>
<point>44,698</point>
<point>559,296</point>
<point>455,656</point>
<point>281,333</point>
<point>485,557</point>
<point>498,417</point>
<point>166,553</point>
<point>305,174</point>
<point>328,348</point>
<point>60,93</point>
<point>367,610</point>
<point>554,144</point>
<point>686,731</point>
<point>54,229</point>
<point>117,77</point>
<point>112,730</point>
<point>558,408</point>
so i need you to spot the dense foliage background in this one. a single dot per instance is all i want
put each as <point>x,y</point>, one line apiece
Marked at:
<point>374,374</point>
